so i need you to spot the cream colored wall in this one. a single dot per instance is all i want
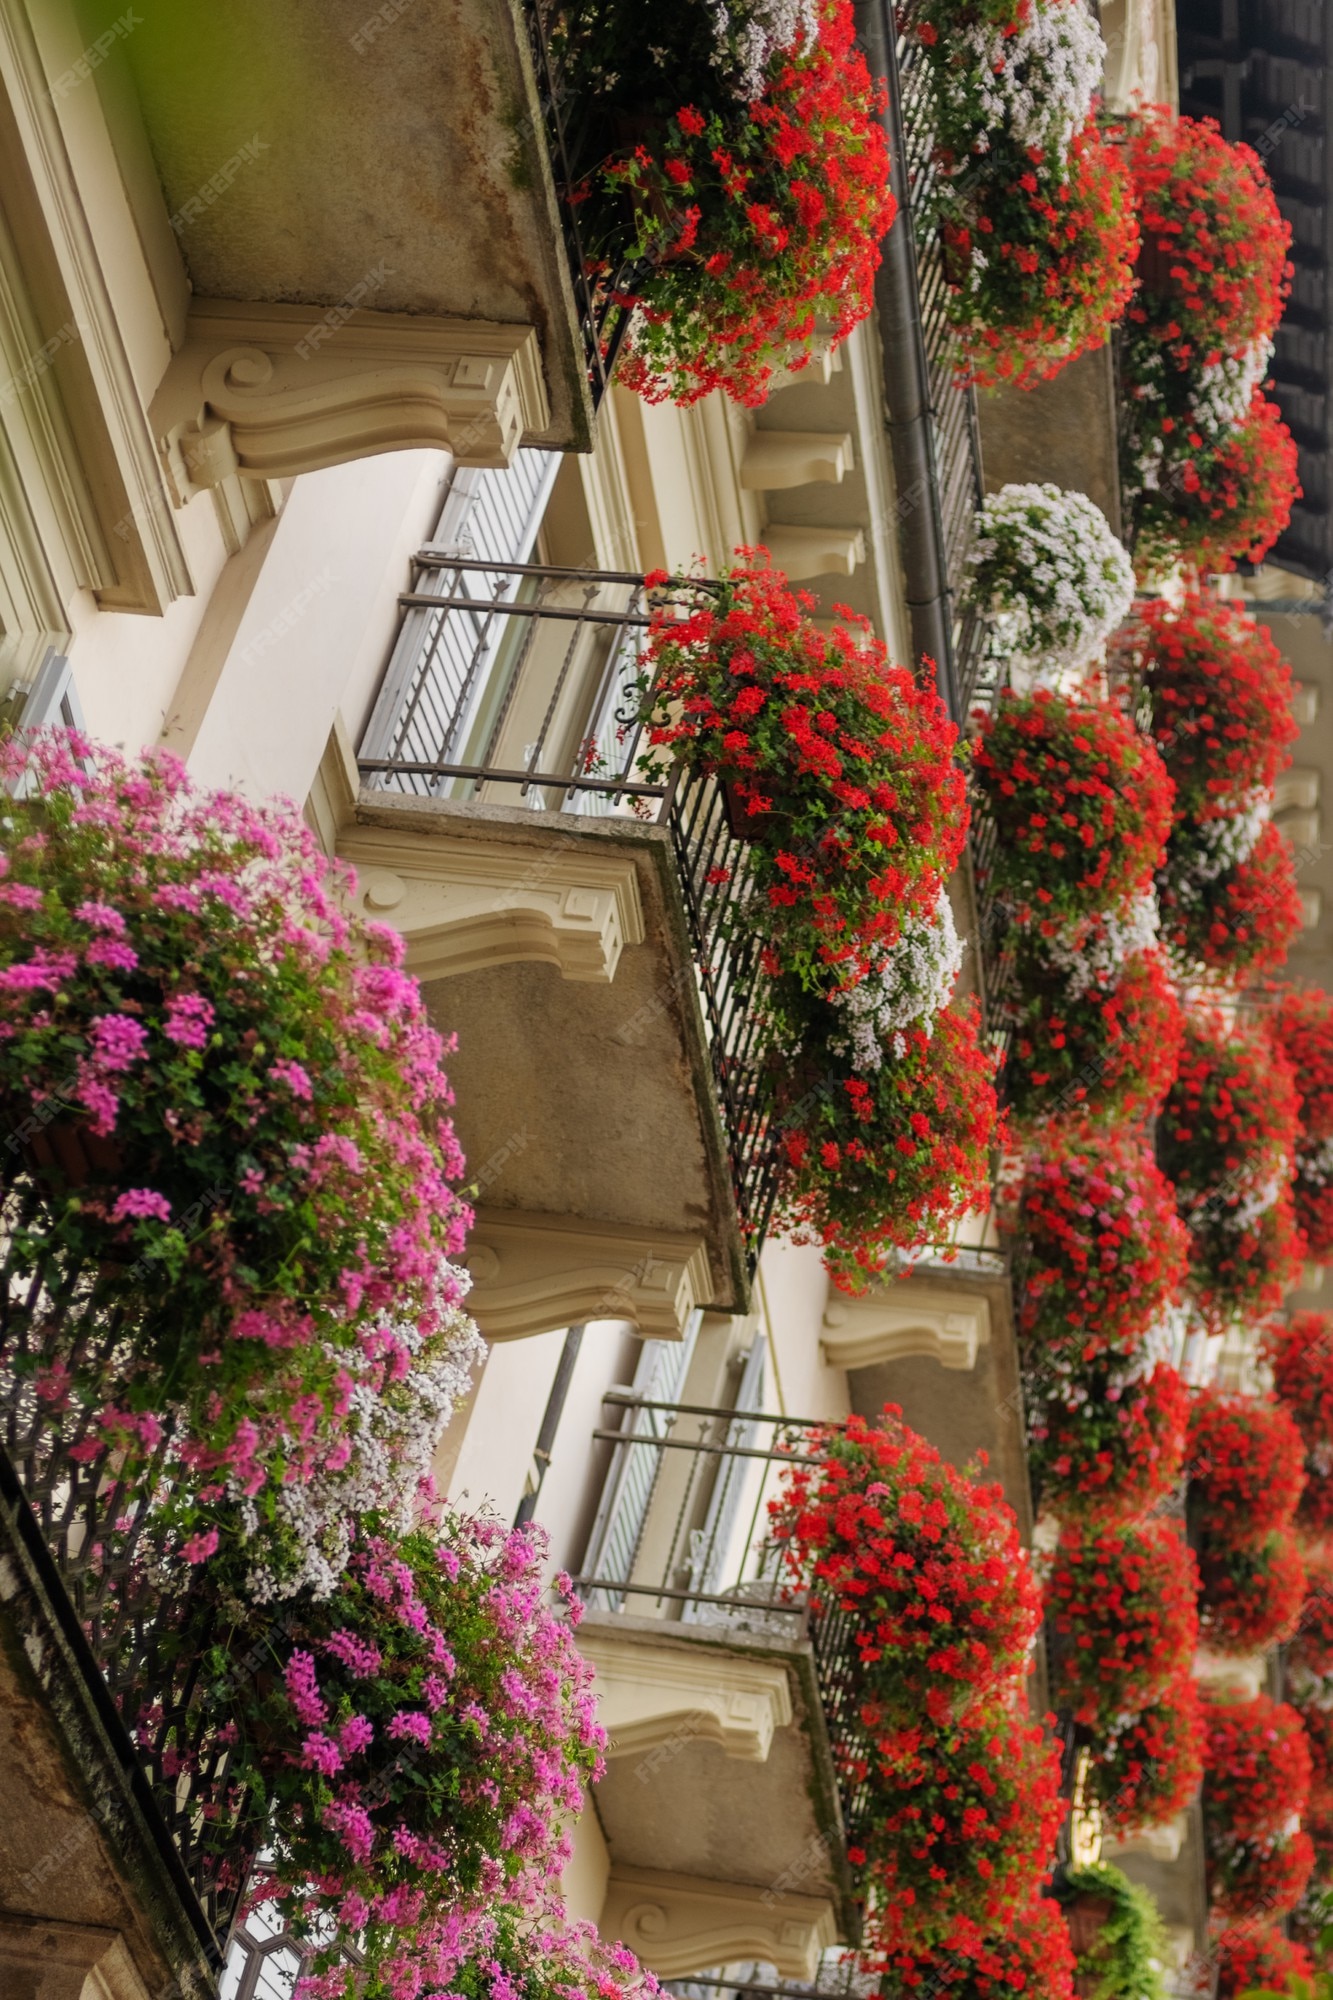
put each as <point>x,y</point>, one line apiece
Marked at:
<point>266,676</point>
<point>792,1290</point>
<point>496,1454</point>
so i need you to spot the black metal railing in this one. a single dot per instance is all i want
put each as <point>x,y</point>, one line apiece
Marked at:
<point>81,1527</point>
<point>598,296</point>
<point>956,433</point>
<point>688,1542</point>
<point>520,683</point>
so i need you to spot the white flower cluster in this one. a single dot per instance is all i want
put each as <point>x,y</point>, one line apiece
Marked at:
<point>746,39</point>
<point>1222,397</point>
<point>1314,1163</point>
<point>392,1431</point>
<point>1092,952</point>
<point>1046,567</point>
<point>1256,1201</point>
<point>1216,845</point>
<point>1038,82</point>
<point>907,990</point>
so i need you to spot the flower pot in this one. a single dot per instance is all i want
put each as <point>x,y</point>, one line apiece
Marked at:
<point>1085,1916</point>
<point>72,1153</point>
<point>741,824</point>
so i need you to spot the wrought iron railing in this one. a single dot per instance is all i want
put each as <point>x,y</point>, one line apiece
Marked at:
<point>78,1526</point>
<point>953,404</point>
<point>603,318</point>
<point>519,683</point>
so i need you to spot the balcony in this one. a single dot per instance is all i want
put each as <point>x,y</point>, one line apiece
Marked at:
<point>725,1699</point>
<point>571,922</point>
<point>106,1872</point>
<point>375,224</point>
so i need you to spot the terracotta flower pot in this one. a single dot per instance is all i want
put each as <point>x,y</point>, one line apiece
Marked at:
<point>72,1153</point>
<point>1085,1917</point>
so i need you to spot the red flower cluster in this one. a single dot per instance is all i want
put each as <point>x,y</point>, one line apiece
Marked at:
<point>873,1163</point>
<point>963,1832</point>
<point>842,765</point>
<point>1252,1591</point>
<point>1302,1027</point>
<point>1059,254</point>
<point>1121,1609</point>
<point>1241,924</point>
<point>1221,699</point>
<point>1226,1138</point>
<point>1099,1451</point>
<point>962,1799</point>
<point>1247,1464</point>
<point>1317,1722</point>
<point>1213,270</point>
<point>1104,1250</point>
<point>1300,1354</point>
<point>1105,1054</point>
<point>1310,1649</point>
<point>1146,1768</point>
<point>1251,1956</point>
<point>1259,1878</point>
<point>927,1563</point>
<point>747,229</point>
<point>1080,800</point>
<point>1222,497</point>
<point>1032,1956</point>
<point>1257,1764</point>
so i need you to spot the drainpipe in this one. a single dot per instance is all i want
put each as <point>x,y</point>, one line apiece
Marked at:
<point>908,415</point>
<point>555,1409</point>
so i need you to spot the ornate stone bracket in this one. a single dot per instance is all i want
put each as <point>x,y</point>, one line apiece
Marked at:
<point>680,1924</point>
<point>532,1273</point>
<point>465,904</point>
<point>900,1320</point>
<point>270,391</point>
<point>777,460</point>
<point>1162,1843</point>
<point>653,1699</point>
<point>59,1961</point>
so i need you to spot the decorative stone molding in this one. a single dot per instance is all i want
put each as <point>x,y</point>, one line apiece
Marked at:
<point>463,904</point>
<point>1302,830</point>
<point>1312,908</point>
<point>807,552</point>
<point>1244,1678</point>
<point>775,460</point>
<point>1161,1843</point>
<point>900,1320</point>
<point>58,1961</point>
<point>1304,702</point>
<point>270,391</point>
<point>654,1698</point>
<point>532,1273</point>
<point>1297,786</point>
<point>680,1924</point>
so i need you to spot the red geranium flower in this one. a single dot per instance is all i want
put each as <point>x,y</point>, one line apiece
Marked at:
<point>1080,800</point>
<point>1247,1464</point>
<point>1240,924</point>
<point>1213,268</point>
<point>1256,1767</point>
<point>1251,1591</point>
<point>1121,1611</point>
<point>1145,1767</point>
<point>1251,1956</point>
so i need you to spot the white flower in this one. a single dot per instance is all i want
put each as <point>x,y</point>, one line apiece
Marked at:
<point>907,990</point>
<point>1092,951</point>
<point>391,1432</point>
<point>1038,82</point>
<point>1225,388</point>
<point>1217,845</point>
<point>746,39</point>
<point>1314,1162</point>
<point>1047,569</point>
